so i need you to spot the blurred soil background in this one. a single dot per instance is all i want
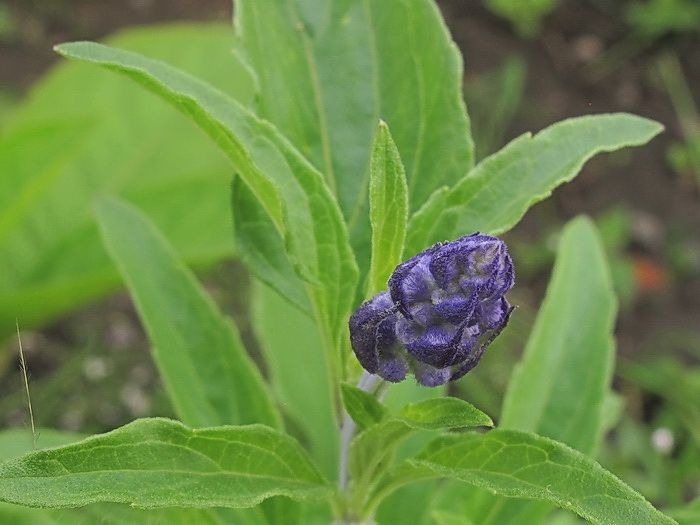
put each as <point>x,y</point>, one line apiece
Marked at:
<point>91,371</point>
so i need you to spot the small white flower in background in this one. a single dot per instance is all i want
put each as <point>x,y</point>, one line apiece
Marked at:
<point>662,440</point>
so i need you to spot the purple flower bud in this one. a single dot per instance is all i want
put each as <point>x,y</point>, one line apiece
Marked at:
<point>444,307</point>
<point>373,337</point>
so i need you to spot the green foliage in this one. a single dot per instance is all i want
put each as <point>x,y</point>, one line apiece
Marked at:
<point>372,449</point>
<point>363,407</point>
<point>688,515</point>
<point>494,196</point>
<point>321,188</point>
<point>399,65</point>
<point>97,133</point>
<point>209,376</point>
<point>519,464</point>
<point>443,412</point>
<point>573,366</point>
<point>289,188</point>
<point>16,442</point>
<point>388,209</point>
<point>662,454</point>
<point>525,15</point>
<point>494,99</point>
<point>262,248</point>
<point>162,463</point>
<point>293,352</point>
<point>684,157</point>
<point>654,18</point>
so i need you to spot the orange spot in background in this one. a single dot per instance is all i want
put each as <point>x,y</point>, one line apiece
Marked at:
<point>649,275</point>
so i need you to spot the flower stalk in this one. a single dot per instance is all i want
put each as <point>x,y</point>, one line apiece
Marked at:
<point>375,385</point>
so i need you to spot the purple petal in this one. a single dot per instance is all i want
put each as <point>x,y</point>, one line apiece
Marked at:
<point>393,366</point>
<point>369,328</point>
<point>431,376</point>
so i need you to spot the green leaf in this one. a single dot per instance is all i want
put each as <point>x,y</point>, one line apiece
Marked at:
<point>16,442</point>
<point>329,70</point>
<point>443,412</point>
<point>409,504</point>
<point>208,375</point>
<point>380,440</point>
<point>495,195</point>
<point>572,367</point>
<point>364,408</point>
<point>293,352</point>
<point>525,15</point>
<point>289,188</point>
<point>121,514</point>
<point>369,453</point>
<point>449,518</point>
<point>281,509</point>
<point>559,388</point>
<point>162,463</point>
<point>449,496</point>
<point>261,248</point>
<point>388,209</point>
<point>370,450</point>
<point>97,132</point>
<point>519,464</point>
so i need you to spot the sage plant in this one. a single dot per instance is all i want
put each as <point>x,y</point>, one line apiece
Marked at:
<point>352,149</point>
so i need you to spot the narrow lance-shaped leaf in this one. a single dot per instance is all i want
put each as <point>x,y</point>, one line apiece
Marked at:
<point>519,464</point>
<point>163,463</point>
<point>388,209</point>
<point>329,70</point>
<point>261,247</point>
<point>292,192</point>
<point>559,388</point>
<point>207,372</point>
<point>292,347</point>
<point>498,191</point>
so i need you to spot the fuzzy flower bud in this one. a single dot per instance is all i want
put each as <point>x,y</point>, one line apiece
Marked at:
<point>444,307</point>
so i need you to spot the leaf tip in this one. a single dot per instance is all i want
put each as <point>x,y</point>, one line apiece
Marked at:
<point>65,48</point>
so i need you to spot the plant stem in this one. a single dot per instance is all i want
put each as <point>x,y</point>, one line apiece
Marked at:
<point>369,383</point>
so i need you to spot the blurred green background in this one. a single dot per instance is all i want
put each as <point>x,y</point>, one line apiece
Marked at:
<point>528,64</point>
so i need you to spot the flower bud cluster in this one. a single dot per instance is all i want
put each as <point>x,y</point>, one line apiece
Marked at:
<point>443,308</point>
